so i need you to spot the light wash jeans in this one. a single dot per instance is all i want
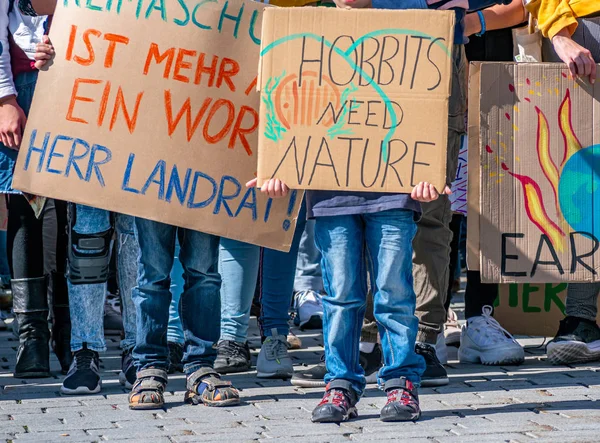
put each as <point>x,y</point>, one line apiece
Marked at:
<point>199,306</point>
<point>308,269</point>
<point>239,265</point>
<point>86,302</point>
<point>175,331</point>
<point>385,239</point>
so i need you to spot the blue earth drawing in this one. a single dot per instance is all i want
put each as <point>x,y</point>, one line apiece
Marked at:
<point>579,191</point>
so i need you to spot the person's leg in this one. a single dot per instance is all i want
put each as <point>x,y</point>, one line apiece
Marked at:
<point>127,250</point>
<point>90,244</point>
<point>238,266</point>
<point>578,336</point>
<point>55,240</point>
<point>175,338</point>
<point>340,240</point>
<point>29,287</point>
<point>483,340</point>
<point>389,237</point>
<point>199,309</point>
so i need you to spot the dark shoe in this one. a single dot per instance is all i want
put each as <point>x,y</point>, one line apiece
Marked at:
<point>61,321</point>
<point>311,378</point>
<point>113,321</point>
<point>6,298</point>
<point>205,386</point>
<point>371,363</point>
<point>232,357</point>
<point>127,376</point>
<point>435,374</point>
<point>175,357</point>
<point>577,341</point>
<point>84,374</point>
<point>30,306</point>
<point>338,405</point>
<point>402,401</point>
<point>148,389</point>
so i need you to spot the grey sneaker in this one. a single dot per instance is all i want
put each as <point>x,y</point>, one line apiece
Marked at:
<point>577,341</point>
<point>273,359</point>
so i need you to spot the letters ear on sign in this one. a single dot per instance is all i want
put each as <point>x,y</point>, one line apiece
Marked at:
<point>539,153</point>
<point>355,99</point>
<point>151,109</point>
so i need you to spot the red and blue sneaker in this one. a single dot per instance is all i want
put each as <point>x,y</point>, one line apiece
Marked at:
<point>402,401</point>
<point>338,405</point>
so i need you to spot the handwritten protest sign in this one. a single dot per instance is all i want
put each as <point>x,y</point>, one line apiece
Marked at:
<point>151,110</point>
<point>458,198</point>
<point>355,100</point>
<point>539,153</point>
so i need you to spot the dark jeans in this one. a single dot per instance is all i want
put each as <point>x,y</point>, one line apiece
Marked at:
<point>199,306</point>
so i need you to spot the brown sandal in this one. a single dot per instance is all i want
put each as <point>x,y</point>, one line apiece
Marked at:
<point>147,391</point>
<point>205,386</point>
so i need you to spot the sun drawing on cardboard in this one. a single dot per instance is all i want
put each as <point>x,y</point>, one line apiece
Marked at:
<point>574,178</point>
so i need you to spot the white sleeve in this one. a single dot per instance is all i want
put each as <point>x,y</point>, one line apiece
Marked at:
<point>7,86</point>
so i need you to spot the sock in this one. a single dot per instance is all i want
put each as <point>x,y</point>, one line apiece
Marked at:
<point>365,347</point>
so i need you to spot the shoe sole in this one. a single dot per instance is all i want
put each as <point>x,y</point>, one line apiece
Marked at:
<point>412,417</point>
<point>477,357</point>
<point>275,375</point>
<point>352,413</point>
<point>301,383</point>
<point>435,382</point>
<point>222,403</point>
<point>34,374</point>
<point>231,369</point>
<point>81,390</point>
<point>566,352</point>
<point>123,381</point>
<point>146,406</point>
<point>314,322</point>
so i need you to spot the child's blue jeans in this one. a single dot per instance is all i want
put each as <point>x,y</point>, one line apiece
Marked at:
<point>385,240</point>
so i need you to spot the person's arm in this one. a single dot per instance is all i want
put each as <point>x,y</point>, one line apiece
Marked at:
<point>553,16</point>
<point>496,17</point>
<point>12,118</point>
<point>37,7</point>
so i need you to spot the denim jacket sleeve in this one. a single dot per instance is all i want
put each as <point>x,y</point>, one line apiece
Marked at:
<point>476,5</point>
<point>7,86</point>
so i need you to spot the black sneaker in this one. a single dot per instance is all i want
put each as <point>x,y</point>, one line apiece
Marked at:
<point>402,401</point>
<point>84,374</point>
<point>435,374</point>
<point>311,378</point>
<point>337,405</point>
<point>577,341</point>
<point>371,363</point>
<point>127,376</point>
<point>232,357</point>
<point>175,357</point>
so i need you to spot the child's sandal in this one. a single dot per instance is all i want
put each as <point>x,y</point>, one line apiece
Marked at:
<point>147,391</point>
<point>205,386</point>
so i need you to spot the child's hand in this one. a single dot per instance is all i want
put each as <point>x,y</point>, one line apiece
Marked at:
<point>273,187</point>
<point>44,53</point>
<point>12,122</point>
<point>425,192</point>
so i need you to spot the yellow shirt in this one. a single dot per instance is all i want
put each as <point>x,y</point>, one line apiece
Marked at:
<point>555,15</point>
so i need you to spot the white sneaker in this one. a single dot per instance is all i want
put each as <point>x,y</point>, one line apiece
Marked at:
<point>309,310</point>
<point>273,359</point>
<point>441,349</point>
<point>452,329</point>
<point>484,341</point>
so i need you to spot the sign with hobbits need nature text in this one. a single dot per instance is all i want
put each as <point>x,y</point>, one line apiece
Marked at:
<point>150,109</point>
<point>355,99</point>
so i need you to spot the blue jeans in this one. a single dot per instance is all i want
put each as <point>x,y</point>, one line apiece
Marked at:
<point>175,330</point>
<point>238,266</point>
<point>199,306</point>
<point>276,283</point>
<point>4,269</point>
<point>385,239</point>
<point>86,302</point>
<point>308,269</point>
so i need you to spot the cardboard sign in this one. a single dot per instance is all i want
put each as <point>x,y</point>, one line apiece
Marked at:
<point>355,99</point>
<point>458,198</point>
<point>531,309</point>
<point>540,181</point>
<point>151,109</point>
<point>473,120</point>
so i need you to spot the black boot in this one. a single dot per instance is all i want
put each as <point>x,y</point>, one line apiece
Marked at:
<point>61,320</point>
<point>30,306</point>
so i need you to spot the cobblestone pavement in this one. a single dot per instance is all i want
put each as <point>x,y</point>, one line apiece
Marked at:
<point>533,402</point>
